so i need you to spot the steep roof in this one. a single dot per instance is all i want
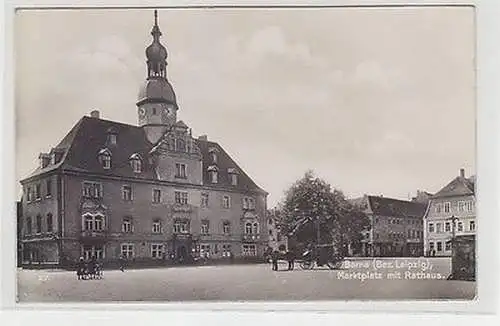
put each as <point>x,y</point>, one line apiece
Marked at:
<point>460,186</point>
<point>224,164</point>
<point>89,136</point>
<point>394,207</point>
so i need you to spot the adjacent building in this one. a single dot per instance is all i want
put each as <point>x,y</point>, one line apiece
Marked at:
<point>19,213</point>
<point>396,226</point>
<point>422,197</point>
<point>451,213</point>
<point>147,192</point>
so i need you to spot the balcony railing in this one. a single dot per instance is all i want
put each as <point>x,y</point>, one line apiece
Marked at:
<point>183,208</point>
<point>250,237</point>
<point>94,234</point>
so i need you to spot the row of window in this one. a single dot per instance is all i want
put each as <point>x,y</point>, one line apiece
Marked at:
<point>411,234</point>
<point>157,250</point>
<point>104,157</point>
<point>438,246</point>
<point>180,168</point>
<point>462,206</point>
<point>95,223</point>
<point>438,227</point>
<point>401,221</point>
<point>39,223</point>
<point>34,193</point>
<point>94,190</point>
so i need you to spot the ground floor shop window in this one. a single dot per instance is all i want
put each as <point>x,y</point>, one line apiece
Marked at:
<point>157,250</point>
<point>127,250</point>
<point>226,250</point>
<point>89,252</point>
<point>249,250</point>
<point>205,250</point>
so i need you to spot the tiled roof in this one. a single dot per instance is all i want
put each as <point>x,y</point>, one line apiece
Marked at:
<point>89,136</point>
<point>459,186</point>
<point>224,163</point>
<point>394,207</point>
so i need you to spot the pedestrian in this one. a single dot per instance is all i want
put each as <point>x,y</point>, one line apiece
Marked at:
<point>93,267</point>
<point>80,268</point>
<point>290,257</point>
<point>121,261</point>
<point>274,257</point>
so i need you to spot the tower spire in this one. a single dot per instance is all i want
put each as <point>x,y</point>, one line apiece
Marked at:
<point>156,29</point>
<point>156,53</point>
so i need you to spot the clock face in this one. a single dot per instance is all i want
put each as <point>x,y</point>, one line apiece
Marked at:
<point>169,110</point>
<point>142,112</point>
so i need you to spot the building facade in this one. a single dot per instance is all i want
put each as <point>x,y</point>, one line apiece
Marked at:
<point>396,227</point>
<point>149,192</point>
<point>451,212</point>
<point>19,213</point>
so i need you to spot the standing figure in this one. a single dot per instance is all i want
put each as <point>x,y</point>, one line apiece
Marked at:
<point>93,267</point>
<point>274,257</point>
<point>290,257</point>
<point>80,268</point>
<point>121,261</point>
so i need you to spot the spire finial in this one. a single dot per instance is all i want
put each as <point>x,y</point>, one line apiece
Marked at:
<point>156,17</point>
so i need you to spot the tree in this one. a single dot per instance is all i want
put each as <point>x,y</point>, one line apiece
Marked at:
<point>314,213</point>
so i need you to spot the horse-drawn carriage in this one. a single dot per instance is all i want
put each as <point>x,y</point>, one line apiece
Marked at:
<point>321,255</point>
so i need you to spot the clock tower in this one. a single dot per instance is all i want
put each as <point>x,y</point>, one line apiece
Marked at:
<point>156,103</point>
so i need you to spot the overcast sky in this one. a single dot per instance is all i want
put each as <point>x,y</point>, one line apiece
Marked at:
<point>374,100</point>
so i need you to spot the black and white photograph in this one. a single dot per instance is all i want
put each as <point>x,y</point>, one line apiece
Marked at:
<point>245,154</point>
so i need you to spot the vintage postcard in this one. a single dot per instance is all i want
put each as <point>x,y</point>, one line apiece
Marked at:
<point>245,154</point>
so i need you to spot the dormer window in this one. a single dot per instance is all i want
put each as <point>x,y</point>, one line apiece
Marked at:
<point>180,145</point>
<point>112,132</point>
<point>112,139</point>
<point>56,156</point>
<point>44,160</point>
<point>105,158</point>
<point>213,154</point>
<point>213,173</point>
<point>136,163</point>
<point>233,175</point>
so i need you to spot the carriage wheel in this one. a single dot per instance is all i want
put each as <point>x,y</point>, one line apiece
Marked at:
<point>306,264</point>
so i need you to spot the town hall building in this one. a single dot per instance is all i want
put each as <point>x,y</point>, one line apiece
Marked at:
<point>146,192</point>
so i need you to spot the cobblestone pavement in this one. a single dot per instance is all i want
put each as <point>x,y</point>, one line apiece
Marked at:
<point>358,279</point>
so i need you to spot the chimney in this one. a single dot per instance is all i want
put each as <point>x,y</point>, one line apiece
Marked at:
<point>95,114</point>
<point>462,173</point>
<point>203,137</point>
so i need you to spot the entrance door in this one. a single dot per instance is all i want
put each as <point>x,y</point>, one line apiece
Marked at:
<point>181,254</point>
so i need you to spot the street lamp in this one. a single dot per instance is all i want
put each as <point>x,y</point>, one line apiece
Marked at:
<point>453,219</point>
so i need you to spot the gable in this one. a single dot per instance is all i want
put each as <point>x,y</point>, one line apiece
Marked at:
<point>457,187</point>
